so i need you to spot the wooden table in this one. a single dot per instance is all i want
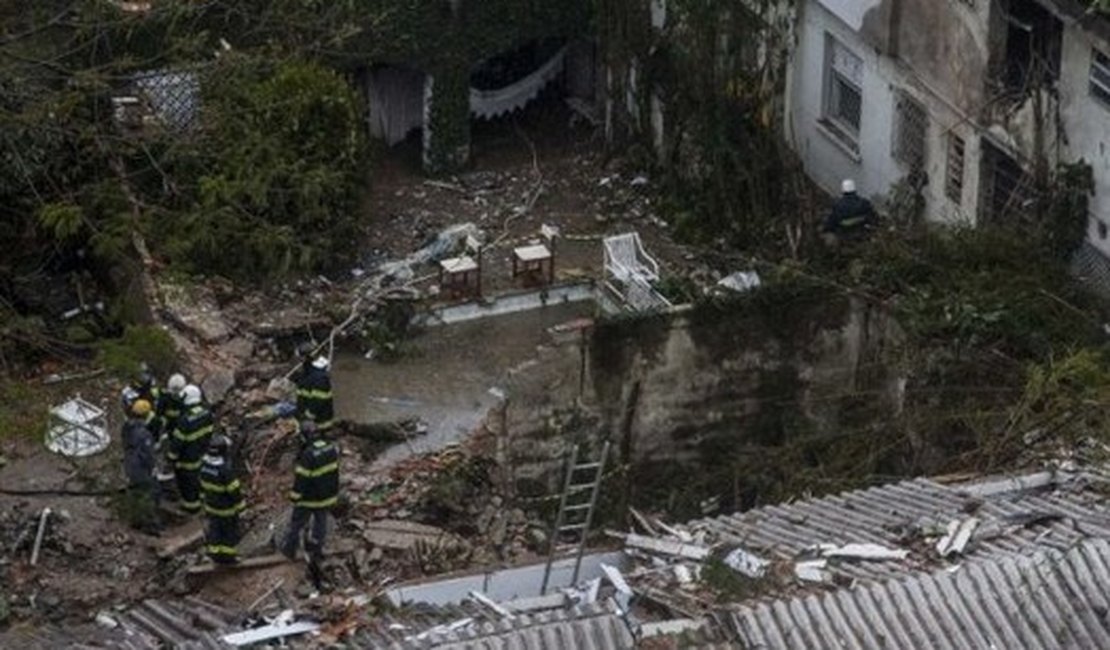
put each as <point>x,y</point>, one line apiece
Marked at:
<point>461,276</point>
<point>530,262</point>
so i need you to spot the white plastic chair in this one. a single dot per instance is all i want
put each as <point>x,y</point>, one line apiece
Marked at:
<point>626,259</point>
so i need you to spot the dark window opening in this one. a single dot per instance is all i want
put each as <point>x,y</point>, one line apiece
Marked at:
<point>1007,193</point>
<point>1033,43</point>
<point>954,174</point>
<point>1102,230</point>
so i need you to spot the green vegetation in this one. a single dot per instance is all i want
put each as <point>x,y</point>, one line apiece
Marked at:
<point>139,344</point>
<point>22,410</point>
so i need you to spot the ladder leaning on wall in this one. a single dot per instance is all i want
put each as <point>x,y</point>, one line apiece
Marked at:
<point>575,512</point>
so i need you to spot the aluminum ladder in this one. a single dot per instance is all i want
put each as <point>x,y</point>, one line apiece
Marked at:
<point>575,513</point>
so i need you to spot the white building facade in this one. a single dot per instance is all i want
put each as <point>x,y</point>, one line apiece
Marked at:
<point>968,94</point>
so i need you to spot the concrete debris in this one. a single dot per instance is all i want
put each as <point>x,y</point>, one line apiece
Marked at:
<point>674,626</point>
<point>667,547</point>
<point>958,535</point>
<point>744,562</point>
<point>536,603</point>
<point>268,632</point>
<point>616,579</point>
<point>862,552</point>
<point>216,385</point>
<point>740,281</point>
<point>682,574</point>
<point>104,619</point>
<point>812,571</point>
<point>401,535</point>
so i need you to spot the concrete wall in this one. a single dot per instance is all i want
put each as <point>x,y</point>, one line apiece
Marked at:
<point>940,49</point>
<point>690,389</point>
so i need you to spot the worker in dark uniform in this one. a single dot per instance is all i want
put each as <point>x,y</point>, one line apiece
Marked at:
<point>223,501</point>
<point>315,491</point>
<point>852,217</point>
<point>138,466</point>
<point>168,410</point>
<point>314,398</point>
<point>187,445</point>
<point>143,387</point>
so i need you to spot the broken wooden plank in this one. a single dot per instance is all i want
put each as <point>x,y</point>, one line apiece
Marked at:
<point>183,542</point>
<point>247,563</point>
<point>643,521</point>
<point>267,632</point>
<point>616,579</point>
<point>491,604</point>
<point>39,535</point>
<point>401,535</point>
<point>667,547</point>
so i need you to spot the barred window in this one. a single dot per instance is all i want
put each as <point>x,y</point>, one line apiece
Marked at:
<point>910,126</point>
<point>1100,76</point>
<point>843,91</point>
<point>954,170</point>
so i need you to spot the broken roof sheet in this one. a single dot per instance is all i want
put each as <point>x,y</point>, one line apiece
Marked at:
<point>1016,516</point>
<point>1050,599</point>
<point>598,626</point>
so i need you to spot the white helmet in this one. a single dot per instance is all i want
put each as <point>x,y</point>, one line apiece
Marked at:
<point>176,384</point>
<point>191,396</point>
<point>321,363</point>
<point>848,186</point>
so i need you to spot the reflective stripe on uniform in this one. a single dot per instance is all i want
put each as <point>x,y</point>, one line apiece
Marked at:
<point>225,512</point>
<point>190,506</point>
<point>319,471</point>
<point>852,221</point>
<point>215,487</point>
<point>221,549</point>
<point>195,435</point>
<point>323,503</point>
<point>313,393</point>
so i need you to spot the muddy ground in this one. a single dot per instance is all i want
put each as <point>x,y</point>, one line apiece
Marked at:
<point>527,171</point>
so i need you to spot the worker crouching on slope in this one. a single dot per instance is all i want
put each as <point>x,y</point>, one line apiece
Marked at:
<point>223,501</point>
<point>852,217</point>
<point>143,387</point>
<point>314,398</point>
<point>315,492</point>
<point>187,446</point>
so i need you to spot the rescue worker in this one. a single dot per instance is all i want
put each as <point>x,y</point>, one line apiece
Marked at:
<point>315,491</point>
<point>169,406</point>
<point>143,387</point>
<point>223,501</point>
<point>314,398</point>
<point>138,464</point>
<point>187,445</point>
<point>852,217</point>
<point>168,409</point>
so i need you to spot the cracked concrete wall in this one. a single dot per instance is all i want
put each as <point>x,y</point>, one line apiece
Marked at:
<point>681,389</point>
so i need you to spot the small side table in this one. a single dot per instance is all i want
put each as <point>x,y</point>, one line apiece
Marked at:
<point>461,276</point>
<point>536,263</point>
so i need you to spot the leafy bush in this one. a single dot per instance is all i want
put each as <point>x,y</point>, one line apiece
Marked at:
<point>277,172</point>
<point>138,345</point>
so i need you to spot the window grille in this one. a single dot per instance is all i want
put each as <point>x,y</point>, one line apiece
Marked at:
<point>911,124</point>
<point>954,171</point>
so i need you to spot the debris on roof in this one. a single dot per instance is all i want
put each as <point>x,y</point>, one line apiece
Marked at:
<point>1050,599</point>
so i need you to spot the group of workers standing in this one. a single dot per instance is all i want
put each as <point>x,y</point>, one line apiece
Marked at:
<point>171,434</point>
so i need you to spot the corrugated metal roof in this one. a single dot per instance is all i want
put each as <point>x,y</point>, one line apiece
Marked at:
<point>1019,521</point>
<point>598,626</point>
<point>1047,600</point>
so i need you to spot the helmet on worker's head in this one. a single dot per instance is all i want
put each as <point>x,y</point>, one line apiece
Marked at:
<point>219,445</point>
<point>144,378</point>
<point>307,428</point>
<point>848,186</point>
<point>191,396</point>
<point>176,384</point>
<point>141,408</point>
<point>321,363</point>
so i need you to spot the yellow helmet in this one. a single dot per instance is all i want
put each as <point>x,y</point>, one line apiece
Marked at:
<point>141,407</point>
